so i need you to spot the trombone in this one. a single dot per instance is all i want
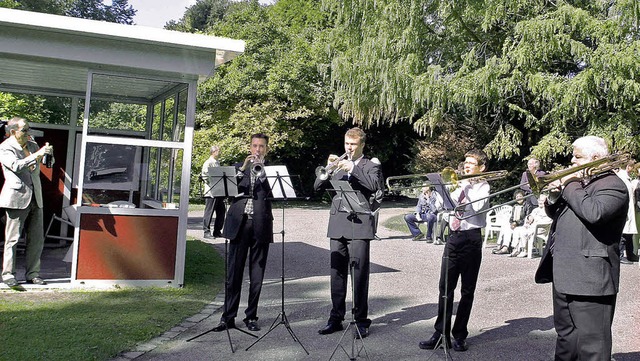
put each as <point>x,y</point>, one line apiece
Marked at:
<point>448,175</point>
<point>540,184</point>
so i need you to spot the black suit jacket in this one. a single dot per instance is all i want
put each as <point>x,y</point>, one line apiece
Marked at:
<point>587,226</point>
<point>262,214</point>
<point>366,178</point>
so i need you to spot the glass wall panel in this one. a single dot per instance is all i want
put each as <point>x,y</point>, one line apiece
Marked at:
<point>157,121</point>
<point>152,184</point>
<point>182,116</point>
<point>167,124</point>
<point>115,175</point>
<point>110,115</point>
<point>36,108</point>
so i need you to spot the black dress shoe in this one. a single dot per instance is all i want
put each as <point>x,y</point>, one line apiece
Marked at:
<point>330,328</point>
<point>460,344</point>
<point>362,332</point>
<point>252,325</point>
<point>433,342</point>
<point>217,234</point>
<point>224,325</point>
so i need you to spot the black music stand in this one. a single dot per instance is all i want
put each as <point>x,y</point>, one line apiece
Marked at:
<point>281,189</point>
<point>351,201</point>
<point>224,184</point>
<point>436,181</point>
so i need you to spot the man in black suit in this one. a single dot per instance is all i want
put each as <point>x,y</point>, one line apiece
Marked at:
<point>249,227</point>
<point>581,257</point>
<point>350,234</point>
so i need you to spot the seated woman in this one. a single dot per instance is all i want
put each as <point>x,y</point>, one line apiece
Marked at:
<point>429,202</point>
<point>522,235</point>
<point>520,211</point>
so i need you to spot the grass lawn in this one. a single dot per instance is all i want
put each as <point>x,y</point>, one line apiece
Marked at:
<point>97,325</point>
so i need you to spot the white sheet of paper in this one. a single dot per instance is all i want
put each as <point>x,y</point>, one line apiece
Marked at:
<point>279,181</point>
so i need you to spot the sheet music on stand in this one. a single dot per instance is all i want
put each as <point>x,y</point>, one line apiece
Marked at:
<point>436,182</point>
<point>222,182</point>
<point>350,199</point>
<point>280,182</point>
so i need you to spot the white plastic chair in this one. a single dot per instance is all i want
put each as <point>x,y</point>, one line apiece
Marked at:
<point>496,218</point>
<point>540,235</point>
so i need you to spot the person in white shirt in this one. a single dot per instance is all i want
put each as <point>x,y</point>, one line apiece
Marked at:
<point>462,256</point>
<point>630,229</point>
<point>212,204</point>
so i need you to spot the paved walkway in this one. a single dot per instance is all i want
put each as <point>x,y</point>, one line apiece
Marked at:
<point>511,319</point>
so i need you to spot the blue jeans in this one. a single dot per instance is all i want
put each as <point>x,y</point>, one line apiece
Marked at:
<point>412,221</point>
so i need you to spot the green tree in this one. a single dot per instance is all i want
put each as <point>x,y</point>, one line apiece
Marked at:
<point>118,12</point>
<point>200,16</point>
<point>513,77</point>
<point>274,87</point>
<point>10,4</point>
<point>56,7</point>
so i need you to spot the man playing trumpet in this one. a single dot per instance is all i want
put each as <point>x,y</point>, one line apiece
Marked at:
<point>350,234</point>
<point>249,227</point>
<point>462,256</point>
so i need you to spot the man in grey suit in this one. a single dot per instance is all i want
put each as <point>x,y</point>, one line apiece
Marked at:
<point>350,234</point>
<point>581,257</point>
<point>21,197</point>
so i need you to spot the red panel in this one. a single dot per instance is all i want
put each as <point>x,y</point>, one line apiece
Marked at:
<point>126,247</point>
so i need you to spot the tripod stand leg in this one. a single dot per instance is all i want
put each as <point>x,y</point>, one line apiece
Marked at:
<point>442,341</point>
<point>281,319</point>
<point>355,352</point>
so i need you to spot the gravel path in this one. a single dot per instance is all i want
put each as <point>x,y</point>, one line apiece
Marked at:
<point>511,318</point>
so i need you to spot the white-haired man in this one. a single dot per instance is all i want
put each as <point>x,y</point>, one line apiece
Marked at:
<point>581,257</point>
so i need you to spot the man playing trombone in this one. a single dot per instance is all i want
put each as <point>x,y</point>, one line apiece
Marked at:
<point>462,255</point>
<point>350,234</point>
<point>581,259</point>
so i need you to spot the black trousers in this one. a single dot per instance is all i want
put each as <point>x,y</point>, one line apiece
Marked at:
<point>464,253</point>
<point>213,204</point>
<point>583,325</point>
<point>626,246</point>
<point>344,251</point>
<point>238,251</point>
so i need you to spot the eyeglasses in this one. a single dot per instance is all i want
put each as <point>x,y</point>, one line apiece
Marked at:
<point>24,130</point>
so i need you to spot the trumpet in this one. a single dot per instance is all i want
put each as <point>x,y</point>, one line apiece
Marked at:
<point>448,175</point>
<point>541,183</point>
<point>325,172</point>
<point>257,167</point>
